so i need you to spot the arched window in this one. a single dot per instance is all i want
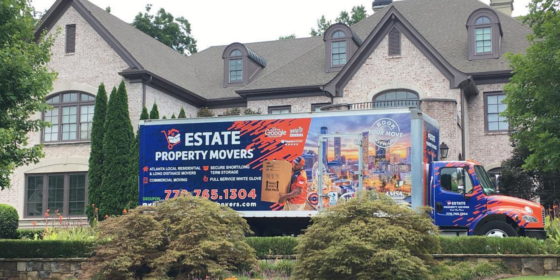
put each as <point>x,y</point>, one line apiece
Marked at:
<point>235,67</point>
<point>71,117</point>
<point>484,32</point>
<point>340,44</point>
<point>396,98</point>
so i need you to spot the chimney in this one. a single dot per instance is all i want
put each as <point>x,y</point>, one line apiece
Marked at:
<point>504,6</point>
<point>380,4</point>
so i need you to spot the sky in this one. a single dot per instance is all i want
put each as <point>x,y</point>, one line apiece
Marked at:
<point>222,22</point>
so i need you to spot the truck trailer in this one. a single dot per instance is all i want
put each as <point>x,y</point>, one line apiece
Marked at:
<point>245,162</point>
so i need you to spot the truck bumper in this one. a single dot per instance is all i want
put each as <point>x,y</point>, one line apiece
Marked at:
<point>535,233</point>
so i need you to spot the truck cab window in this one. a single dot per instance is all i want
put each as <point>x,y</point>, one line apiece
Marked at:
<point>456,179</point>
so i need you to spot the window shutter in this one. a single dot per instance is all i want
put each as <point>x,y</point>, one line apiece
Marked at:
<point>394,42</point>
<point>70,38</point>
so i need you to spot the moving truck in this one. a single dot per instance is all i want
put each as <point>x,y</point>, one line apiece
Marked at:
<point>245,162</point>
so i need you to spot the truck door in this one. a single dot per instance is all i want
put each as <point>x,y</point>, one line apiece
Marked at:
<point>453,204</point>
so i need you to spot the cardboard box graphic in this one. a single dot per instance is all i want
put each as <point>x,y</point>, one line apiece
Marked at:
<point>276,176</point>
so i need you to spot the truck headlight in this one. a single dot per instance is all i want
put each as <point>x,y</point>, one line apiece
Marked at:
<point>529,209</point>
<point>529,219</point>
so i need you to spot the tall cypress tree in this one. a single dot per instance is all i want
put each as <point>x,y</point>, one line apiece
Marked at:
<point>95,173</point>
<point>116,149</point>
<point>154,113</point>
<point>135,166</point>
<point>182,114</point>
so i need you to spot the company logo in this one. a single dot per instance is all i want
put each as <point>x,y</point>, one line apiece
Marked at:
<point>173,138</point>
<point>385,133</point>
<point>448,202</point>
<point>296,132</point>
<point>314,199</point>
<point>275,132</point>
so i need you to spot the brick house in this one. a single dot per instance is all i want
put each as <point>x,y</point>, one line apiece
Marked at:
<point>445,57</point>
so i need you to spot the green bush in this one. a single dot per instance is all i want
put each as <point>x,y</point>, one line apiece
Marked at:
<point>9,220</point>
<point>492,245</point>
<point>45,249</point>
<point>367,239</point>
<point>31,234</point>
<point>466,270</point>
<point>180,238</point>
<point>272,245</point>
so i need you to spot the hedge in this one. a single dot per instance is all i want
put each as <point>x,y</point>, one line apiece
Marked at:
<point>13,248</point>
<point>30,233</point>
<point>272,245</point>
<point>493,245</point>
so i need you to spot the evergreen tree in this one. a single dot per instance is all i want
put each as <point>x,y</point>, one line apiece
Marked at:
<point>116,191</point>
<point>95,173</point>
<point>182,114</point>
<point>154,113</point>
<point>173,116</point>
<point>135,166</point>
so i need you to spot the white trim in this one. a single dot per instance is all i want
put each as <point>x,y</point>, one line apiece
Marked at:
<point>60,86</point>
<point>395,84</point>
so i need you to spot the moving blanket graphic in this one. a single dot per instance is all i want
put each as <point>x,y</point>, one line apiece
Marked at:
<point>247,163</point>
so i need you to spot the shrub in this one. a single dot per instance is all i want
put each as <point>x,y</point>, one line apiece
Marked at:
<point>32,234</point>
<point>9,220</point>
<point>205,112</point>
<point>272,245</point>
<point>490,245</point>
<point>45,249</point>
<point>182,237</point>
<point>248,111</point>
<point>466,270</point>
<point>367,239</point>
<point>232,112</point>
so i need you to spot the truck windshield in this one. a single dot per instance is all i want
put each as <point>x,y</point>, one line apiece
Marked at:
<point>484,179</point>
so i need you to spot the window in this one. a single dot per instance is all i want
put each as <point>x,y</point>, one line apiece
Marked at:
<point>71,117</point>
<point>394,42</point>
<point>483,40</point>
<point>396,98</point>
<point>66,193</point>
<point>279,109</point>
<point>338,53</point>
<point>317,107</point>
<point>456,179</point>
<point>493,106</point>
<point>235,67</point>
<point>70,38</point>
<point>484,33</point>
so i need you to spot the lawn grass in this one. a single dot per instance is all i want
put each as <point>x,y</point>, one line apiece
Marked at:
<point>534,278</point>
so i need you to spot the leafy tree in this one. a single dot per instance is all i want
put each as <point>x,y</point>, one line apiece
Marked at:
<point>528,184</point>
<point>533,95</point>
<point>205,112</point>
<point>135,166</point>
<point>116,189</point>
<point>356,15</point>
<point>182,114</point>
<point>322,26</point>
<point>154,113</point>
<point>108,9</point>
<point>96,157</point>
<point>367,239</point>
<point>25,82</point>
<point>182,238</point>
<point>291,36</point>
<point>171,31</point>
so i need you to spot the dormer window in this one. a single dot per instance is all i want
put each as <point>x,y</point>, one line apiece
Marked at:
<point>338,49</point>
<point>485,32</point>
<point>241,65</point>
<point>235,67</point>
<point>340,44</point>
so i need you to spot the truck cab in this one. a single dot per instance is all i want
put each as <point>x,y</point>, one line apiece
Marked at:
<point>464,201</point>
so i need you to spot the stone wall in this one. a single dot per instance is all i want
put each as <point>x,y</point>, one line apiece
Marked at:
<point>517,264</point>
<point>17,269</point>
<point>298,105</point>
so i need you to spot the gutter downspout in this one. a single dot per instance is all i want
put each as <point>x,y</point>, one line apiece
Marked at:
<point>144,83</point>
<point>463,133</point>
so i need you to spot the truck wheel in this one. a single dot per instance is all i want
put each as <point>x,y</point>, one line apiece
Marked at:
<point>497,229</point>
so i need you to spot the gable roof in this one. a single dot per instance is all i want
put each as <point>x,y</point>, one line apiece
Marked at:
<point>296,63</point>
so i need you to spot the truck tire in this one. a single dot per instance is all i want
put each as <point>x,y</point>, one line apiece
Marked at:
<point>497,229</point>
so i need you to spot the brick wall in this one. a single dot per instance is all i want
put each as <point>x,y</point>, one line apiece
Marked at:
<point>299,105</point>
